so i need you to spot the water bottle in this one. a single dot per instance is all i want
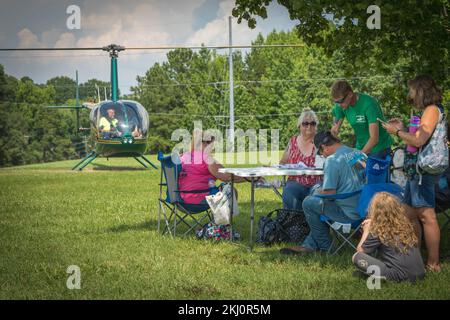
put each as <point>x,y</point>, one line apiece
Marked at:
<point>413,126</point>
<point>211,183</point>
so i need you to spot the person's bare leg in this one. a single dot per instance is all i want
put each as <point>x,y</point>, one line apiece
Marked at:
<point>432,236</point>
<point>413,215</point>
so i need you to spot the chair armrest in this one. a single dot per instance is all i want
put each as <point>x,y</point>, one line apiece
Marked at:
<point>337,195</point>
<point>192,191</point>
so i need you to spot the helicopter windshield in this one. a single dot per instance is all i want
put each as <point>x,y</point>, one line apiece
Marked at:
<point>120,119</point>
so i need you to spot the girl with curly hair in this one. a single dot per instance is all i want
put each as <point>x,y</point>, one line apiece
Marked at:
<point>388,230</point>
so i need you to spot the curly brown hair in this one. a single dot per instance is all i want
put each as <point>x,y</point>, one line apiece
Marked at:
<point>390,224</point>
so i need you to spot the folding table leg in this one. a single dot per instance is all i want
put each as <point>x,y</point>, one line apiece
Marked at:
<point>232,208</point>
<point>252,211</point>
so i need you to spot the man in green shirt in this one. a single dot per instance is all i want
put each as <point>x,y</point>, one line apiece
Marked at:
<point>362,112</point>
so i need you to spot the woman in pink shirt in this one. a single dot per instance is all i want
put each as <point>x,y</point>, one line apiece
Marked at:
<point>199,171</point>
<point>301,149</point>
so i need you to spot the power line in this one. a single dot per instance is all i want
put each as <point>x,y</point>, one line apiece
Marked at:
<point>226,82</point>
<point>167,47</point>
<point>196,115</point>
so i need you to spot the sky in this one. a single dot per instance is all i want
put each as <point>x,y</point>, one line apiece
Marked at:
<point>43,23</point>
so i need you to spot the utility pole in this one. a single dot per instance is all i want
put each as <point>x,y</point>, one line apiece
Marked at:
<point>77,103</point>
<point>230,53</point>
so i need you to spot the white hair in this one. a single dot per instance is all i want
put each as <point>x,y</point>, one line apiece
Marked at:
<point>307,113</point>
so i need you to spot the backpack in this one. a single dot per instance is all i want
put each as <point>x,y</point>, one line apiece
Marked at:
<point>288,226</point>
<point>433,157</point>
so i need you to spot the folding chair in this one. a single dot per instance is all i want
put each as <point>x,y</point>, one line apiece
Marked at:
<point>344,232</point>
<point>378,170</point>
<point>377,177</point>
<point>172,206</point>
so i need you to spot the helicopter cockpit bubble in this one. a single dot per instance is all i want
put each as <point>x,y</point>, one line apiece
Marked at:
<point>116,120</point>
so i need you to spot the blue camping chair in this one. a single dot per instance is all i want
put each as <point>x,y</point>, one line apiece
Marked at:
<point>345,231</point>
<point>172,206</point>
<point>378,170</point>
<point>377,177</point>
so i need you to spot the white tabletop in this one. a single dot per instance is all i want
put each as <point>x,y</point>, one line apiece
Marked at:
<point>270,171</point>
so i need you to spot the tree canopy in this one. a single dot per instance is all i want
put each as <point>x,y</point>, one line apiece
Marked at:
<point>415,31</point>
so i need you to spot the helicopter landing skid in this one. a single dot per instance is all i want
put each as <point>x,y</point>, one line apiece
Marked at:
<point>85,161</point>
<point>143,163</point>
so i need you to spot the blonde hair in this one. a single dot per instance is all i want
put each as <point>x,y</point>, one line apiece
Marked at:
<point>307,113</point>
<point>390,224</point>
<point>200,138</point>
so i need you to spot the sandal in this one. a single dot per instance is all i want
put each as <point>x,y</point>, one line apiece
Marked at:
<point>433,268</point>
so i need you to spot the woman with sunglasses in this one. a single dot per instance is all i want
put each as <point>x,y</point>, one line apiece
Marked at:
<point>301,149</point>
<point>362,112</point>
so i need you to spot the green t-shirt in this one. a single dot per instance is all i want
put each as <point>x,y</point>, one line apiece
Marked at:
<point>364,112</point>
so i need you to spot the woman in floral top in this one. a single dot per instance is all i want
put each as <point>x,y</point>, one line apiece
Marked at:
<point>300,149</point>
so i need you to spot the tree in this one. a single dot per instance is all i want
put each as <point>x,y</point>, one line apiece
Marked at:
<point>65,89</point>
<point>416,31</point>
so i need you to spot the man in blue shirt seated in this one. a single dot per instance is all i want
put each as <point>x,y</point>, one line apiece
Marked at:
<point>343,173</point>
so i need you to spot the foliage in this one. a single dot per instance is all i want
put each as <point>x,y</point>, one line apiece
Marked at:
<point>272,87</point>
<point>418,31</point>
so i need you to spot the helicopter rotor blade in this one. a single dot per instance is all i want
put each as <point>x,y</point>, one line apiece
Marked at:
<point>64,107</point>
<point>106,48</point>
<point>50,49</point>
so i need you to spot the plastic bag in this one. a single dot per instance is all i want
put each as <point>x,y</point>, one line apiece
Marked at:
<point>220,204</point>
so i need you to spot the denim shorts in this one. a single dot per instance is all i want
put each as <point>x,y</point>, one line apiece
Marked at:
<point>423,195</point>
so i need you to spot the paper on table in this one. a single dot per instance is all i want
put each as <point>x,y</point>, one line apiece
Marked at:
<point>299,165</point>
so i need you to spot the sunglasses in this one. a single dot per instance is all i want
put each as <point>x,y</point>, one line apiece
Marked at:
<point>312,123</point>
<point>341,100</point>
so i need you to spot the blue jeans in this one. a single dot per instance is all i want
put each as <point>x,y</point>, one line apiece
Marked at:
<point>319,236</point>
<point>293,195</point>
<point>420,196</point>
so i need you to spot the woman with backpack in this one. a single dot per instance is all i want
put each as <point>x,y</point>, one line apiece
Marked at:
<point>432,159</point>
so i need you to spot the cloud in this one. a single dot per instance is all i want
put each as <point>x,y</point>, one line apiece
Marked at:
<point>216,32</point>
<point>66,40</point>
<point>128,23</point>
<point>28,39</point>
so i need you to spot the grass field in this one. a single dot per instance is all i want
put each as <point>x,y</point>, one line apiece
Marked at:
<point>104,220</point>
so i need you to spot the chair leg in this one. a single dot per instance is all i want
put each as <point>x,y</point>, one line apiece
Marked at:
<point>167,219</point>
<point>197,223</point>
<point>175,222</point>
<point>341,239</point>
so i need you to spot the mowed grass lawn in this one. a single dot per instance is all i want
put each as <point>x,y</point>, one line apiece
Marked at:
<point>104,220</point>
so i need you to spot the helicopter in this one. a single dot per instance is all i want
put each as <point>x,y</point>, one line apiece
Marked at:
<point>119,128</point>
<point>126,135</point>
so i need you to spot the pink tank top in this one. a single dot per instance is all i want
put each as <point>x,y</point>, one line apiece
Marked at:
<point>194,175</point>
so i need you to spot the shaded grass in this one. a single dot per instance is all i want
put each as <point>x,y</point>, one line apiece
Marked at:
<point>105,222</point>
